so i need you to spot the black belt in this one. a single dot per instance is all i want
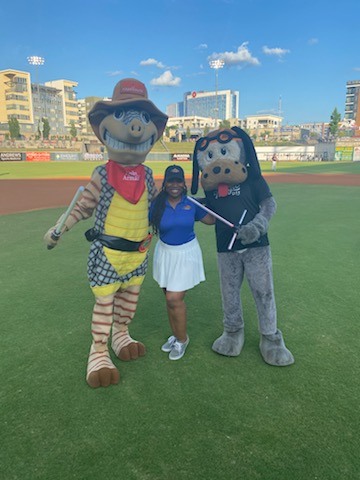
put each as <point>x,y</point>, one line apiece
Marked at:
<point>118,243</point>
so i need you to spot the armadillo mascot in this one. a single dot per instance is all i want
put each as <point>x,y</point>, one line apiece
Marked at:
<point>236,190</point>
<point>120,193</point>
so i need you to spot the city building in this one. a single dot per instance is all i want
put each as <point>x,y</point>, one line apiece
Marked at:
<point>318,130</point>
<point>69,100</point>
<point>84,107</point>
<point>220,105</point>
<point>31,103</point>
<point>16,100</point>
<point>266,121</point>
<point>352,102</point>
<point>175,109</point>
<point>179,127</point>
<point>47,104</point>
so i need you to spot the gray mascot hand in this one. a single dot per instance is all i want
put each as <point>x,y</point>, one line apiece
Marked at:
<point>251,232</point>
<point>259,225</point>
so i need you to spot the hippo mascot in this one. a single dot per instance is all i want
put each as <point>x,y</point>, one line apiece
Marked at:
<point>119,193</point>
<point>236,190</point>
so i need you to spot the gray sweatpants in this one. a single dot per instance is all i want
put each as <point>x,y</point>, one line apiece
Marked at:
<point>256,264</point>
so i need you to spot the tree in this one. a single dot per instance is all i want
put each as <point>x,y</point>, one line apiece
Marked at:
<point>334,122</point>
<point>46,128</point>
<point>206,130</point>
<point>224,124</point>
<point>73,131</point>
<point>188,133</point>
<point>14,128</point>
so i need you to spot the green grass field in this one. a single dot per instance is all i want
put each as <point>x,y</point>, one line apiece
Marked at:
<point>11,170</point>
<point>205,416</point>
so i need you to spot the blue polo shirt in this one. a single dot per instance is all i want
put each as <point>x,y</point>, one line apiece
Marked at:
<point>177,224</point>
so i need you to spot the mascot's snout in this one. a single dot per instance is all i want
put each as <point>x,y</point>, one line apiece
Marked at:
<point>223,173</point>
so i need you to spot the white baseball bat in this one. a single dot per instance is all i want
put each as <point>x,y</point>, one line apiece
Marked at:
<point>56,234</point>
<point>222,219</point>
<point>232,241</point>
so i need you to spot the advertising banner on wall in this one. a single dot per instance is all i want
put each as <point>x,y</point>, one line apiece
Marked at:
<point>93,157</point>
<point>66,156</point>
<point>38,156</point>
<point>10,157</point>
<point>344,153</point>
<point>181,157</point>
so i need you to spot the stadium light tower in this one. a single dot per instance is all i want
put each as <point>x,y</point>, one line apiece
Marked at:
<point>216,64</point>
<point>36,61</point>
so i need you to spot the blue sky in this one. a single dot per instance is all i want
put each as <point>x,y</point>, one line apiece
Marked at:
<point>295,56</point>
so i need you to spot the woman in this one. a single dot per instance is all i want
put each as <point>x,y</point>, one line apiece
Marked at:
<point>178,264</point>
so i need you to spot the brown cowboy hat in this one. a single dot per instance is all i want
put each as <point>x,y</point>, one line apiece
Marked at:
<point>128,91</point>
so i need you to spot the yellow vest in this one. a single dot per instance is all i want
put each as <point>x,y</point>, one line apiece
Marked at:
<point>128,221</point>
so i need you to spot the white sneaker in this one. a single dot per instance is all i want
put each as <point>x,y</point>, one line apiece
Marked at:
<point>169,344</point>
<point>178,349</point>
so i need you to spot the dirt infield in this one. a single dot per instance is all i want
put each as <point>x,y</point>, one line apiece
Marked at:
<point>27,195</point>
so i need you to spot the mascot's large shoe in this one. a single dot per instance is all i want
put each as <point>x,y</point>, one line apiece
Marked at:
<point>229,344</point>
<point>119,193</point>
<point>274,351</point>
<point>125,347</point>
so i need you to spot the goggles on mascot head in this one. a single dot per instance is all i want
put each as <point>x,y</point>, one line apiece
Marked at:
<point>224,136</point>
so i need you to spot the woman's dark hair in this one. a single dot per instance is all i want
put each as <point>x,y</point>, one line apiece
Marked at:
<point>159,208</point>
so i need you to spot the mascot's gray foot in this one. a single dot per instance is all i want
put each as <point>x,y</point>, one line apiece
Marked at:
<point>274,351</point>
<point>229,344</point>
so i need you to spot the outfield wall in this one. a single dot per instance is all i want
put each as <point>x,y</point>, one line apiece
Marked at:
<point>319,152</point>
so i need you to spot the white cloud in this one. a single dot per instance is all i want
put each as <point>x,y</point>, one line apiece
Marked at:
<point>241,56</point>
<point>356,69</point>
<point>116,73</point>
<point>166,80</point>
<point>278,52</point>
<point>202,46</point>
<point>152,61</point>
<point>313,41</point>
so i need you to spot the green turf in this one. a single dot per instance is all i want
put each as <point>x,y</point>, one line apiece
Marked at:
<point>13,170</point>
<point>205,416</point>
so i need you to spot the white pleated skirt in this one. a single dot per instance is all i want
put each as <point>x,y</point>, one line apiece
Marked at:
<point>178,267</point>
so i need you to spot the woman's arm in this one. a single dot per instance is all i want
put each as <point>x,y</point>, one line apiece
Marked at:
<point>208,219</point>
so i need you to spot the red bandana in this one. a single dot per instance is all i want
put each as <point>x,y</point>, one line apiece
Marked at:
<point>128,181</point>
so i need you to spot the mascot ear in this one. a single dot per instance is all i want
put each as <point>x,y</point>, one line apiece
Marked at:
<point>250,152</point>
<point>195,172</point>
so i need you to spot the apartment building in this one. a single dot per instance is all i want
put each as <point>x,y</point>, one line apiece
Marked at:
<point>352,102</point>
<point>84,107</point>
<point>47,103</point>
<point>29,103</point>
<point>69,100</point>
<point>16,99</point>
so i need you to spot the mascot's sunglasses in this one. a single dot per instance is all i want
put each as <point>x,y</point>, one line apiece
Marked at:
<point>221,137</point>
